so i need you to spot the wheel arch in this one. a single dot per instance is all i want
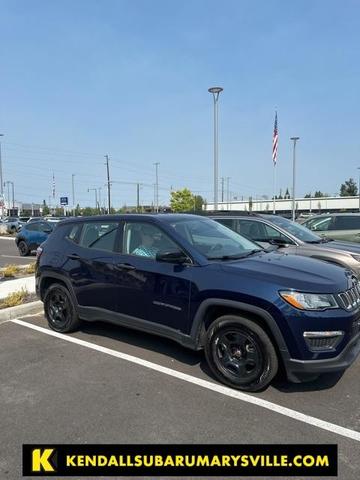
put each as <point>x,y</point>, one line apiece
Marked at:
<point>212,309</point>
<point>49,279</point>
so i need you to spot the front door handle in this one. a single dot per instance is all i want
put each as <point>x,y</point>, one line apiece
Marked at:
<point>73,256</point>
<point>125,266</point>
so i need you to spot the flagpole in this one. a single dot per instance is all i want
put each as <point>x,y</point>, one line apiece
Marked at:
<point>274,158</point>
<point>274,189</point>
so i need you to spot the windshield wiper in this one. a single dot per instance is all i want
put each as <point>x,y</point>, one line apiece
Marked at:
<point>237,255</point>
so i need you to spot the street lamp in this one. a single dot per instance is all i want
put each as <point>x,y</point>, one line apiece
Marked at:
<point>294,139</point>
<point>215,91</point>
<point>73,191</point>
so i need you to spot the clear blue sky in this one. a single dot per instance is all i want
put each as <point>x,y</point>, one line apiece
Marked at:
<point>80,79</point>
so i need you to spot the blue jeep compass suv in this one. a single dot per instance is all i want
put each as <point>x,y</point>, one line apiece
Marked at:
<point>197,282</point>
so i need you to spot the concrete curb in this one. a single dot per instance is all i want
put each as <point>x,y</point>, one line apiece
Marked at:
<point>20,310</point>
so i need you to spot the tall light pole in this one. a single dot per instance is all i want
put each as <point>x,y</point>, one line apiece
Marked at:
<point>73,190</point>
<point>99,199</point>
<point>294,139</point>
<point>359,187</point>
<point>157,187</point>
<point>215,91</point>
<point>108,182</point>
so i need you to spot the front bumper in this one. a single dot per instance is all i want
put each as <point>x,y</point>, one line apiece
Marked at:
<point>297,370</point>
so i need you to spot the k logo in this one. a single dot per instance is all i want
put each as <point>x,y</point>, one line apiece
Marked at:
<point>41,460</point>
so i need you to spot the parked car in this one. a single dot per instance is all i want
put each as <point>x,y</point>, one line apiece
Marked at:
<point>190,279</point>
<point>340,226</point>
<point>12,224</point>
<point>31,236</point>
<point>280,232</point>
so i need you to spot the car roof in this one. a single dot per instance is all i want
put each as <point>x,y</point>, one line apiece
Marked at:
<point>337,214</point>
<point>162,217</point>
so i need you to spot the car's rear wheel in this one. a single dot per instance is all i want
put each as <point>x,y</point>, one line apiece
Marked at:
<point>59,309</point>
<point>23,249</point>
<point>240,353</point>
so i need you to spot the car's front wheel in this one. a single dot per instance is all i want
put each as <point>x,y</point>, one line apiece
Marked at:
<point>240,353</point>
<point>23,248</point>
<point>59,309</point>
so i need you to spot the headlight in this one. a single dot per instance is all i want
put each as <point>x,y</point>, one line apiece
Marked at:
<point>309,301</point>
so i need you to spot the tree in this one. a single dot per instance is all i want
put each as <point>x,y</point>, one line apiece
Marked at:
<point>349,188</point>
<point>199,202</point>
<point>307,195</point>
<point>182,200</point>
<point>287,194</point>
<point>319,194</point>
<point>88,211</point>
<point>77,210</point>
<point>45,209</point>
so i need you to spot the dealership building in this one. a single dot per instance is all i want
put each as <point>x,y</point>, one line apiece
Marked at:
<point>284,206</point>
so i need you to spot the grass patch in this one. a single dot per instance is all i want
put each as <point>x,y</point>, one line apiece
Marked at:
<point>30,268</point>
<point>14,298</point>
<point>10,271</point>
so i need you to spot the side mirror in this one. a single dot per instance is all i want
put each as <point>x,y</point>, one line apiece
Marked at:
<point>280,242</point>
<point>173,256</point>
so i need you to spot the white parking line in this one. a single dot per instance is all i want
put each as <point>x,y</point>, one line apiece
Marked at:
<point>273,407</point>
<point>17,256</point>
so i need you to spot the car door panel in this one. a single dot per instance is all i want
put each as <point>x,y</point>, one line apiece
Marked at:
<point>92,273</point>
<point>149,289</point>
<point>154,291</point>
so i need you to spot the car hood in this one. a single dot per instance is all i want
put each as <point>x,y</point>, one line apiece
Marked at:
<point>292,272</point>
<point>349,247</point>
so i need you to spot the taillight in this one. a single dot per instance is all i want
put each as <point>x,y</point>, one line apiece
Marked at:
<point>39,251</point>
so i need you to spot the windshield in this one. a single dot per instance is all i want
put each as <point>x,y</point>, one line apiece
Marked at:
<point>299,231</point>
<point>213,239</point>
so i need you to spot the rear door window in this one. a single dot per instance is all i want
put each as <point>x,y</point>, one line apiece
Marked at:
<point>99,235</point>
<point>227,222</point>
<point>252,229</point>
<point>347,222</point>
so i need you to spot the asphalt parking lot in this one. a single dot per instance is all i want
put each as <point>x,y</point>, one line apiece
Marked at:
<point>10,254</point>
<point>87,390</point>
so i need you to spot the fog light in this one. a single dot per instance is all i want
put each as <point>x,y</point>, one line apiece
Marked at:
<point>323,341</point>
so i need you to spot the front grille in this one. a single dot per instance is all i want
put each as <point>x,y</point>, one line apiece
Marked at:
<point>350,300</point>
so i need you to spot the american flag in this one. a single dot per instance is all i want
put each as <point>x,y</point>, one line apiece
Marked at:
<point>275,140</point>
<point>53,186</point>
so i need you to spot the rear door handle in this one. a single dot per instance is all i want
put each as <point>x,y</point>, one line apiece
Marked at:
<point>125,266</point>
<point>74,256</point>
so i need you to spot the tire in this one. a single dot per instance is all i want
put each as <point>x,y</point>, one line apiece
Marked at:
<point>59,309</point>
<point>240,354</point>
<point>23,249</point>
